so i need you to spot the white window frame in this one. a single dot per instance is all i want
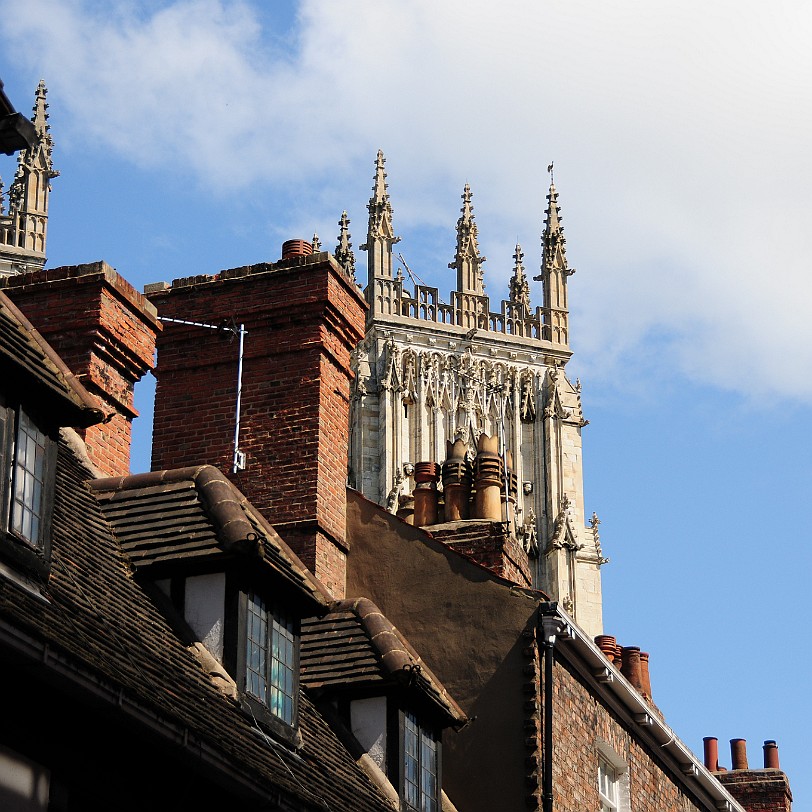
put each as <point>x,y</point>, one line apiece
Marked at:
<point>607,785</point>
<point>612,779</point>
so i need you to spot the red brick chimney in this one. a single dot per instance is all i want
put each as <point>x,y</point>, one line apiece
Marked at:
<point>757,790</point>
<point>104,330</point>
<point>302,316</point>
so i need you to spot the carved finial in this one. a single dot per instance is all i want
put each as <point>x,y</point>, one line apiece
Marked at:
<point>40,109</point>
<point>553,242</point>
<point>550,170</point>
<point>467,260</point>
<point>379,186</point>
<point>316,243</point>
<point>344,255</point>
<point>519,286</point>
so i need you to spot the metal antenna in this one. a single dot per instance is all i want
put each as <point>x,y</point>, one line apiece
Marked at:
<point>238,460</point>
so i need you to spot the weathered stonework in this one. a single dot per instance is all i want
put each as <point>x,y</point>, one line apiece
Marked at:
<point>428,374</point>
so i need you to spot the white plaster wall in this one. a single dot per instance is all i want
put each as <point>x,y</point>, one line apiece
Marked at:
<point>368,721</point>
<point>203,609</point>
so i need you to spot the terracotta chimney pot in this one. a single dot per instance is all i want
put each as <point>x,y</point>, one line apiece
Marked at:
<point>711,753</point>
<point>738,754</point>
<point>426,477</point>
<point>631,668</point>
<point>296,248</point>
<point>771,755</point>
<point>644,673</point>
<point>607,644</point>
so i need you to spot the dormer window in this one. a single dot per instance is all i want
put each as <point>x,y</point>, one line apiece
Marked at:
<point>27,462</point>
<point>271,658</point>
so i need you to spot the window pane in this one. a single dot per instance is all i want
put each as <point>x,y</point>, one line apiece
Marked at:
<point>283,663</point>
<point>271,658</point>
<point>256,649</point>
<point>29,478</point>
<point>428,772</point>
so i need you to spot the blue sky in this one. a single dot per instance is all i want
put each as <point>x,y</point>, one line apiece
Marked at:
<point>199,135</point>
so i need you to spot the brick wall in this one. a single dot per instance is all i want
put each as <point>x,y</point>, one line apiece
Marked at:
<point>581,726</point>
<point>303,318</point>
<point>488,545</point>
<point>105,332</point>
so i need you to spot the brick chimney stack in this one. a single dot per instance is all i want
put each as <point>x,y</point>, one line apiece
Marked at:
<point>104,330</point>
<point>302,317</point>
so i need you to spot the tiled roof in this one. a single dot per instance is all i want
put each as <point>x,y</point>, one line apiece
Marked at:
<point>355,645</point>
<point>105,633</point>
<point>193,513</point>
<point>23,350</point>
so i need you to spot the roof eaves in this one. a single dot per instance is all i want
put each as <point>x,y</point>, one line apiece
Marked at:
<point>398,656</point>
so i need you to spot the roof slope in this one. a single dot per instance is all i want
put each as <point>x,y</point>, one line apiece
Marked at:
<point>192,513</point>
<point>355,645</point>
<point>109,640</point>
<point>24,352</point>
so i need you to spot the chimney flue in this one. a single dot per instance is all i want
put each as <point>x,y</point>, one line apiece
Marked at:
<point>771,755</point>
<point>296,248</point>
<point>711,753</point>
<point>644,674</point>
<point>738,754</point>
<point>630,667</point>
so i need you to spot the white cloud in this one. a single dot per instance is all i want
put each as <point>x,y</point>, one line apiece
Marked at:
<point>680,133</point>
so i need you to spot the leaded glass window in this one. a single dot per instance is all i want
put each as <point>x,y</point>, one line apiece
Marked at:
<point>29,480</point>
<point>271,668</point>
<point>420,766</point>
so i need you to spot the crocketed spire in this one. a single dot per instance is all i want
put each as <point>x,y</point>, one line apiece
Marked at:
<point>467,260</point>
<point>380,233</point>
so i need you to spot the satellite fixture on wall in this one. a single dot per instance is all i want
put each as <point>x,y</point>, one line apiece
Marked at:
<point>238,461</point>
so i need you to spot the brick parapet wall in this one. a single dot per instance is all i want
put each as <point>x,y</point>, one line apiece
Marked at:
<point>488,545</point>
<point>303,319</point>
<point>105,332</point>
<point>758,790</point>
<point>581,726</point>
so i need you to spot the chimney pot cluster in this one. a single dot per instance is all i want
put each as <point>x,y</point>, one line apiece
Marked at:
<point>471,490</point>
<point>632,662</point>
<point>738,754</point>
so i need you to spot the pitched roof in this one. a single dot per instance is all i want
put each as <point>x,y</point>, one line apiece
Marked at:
<point>25,353</point>
<point>194,513</point>
<point>108,642</point>
<point>355,645</point>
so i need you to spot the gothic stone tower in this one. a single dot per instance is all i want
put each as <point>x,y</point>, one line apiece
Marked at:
<point>433,378</point>
<point>23,229</point>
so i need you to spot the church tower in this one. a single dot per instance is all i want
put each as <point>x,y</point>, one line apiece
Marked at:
<point>23,229</point>
<point>457,395</point>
